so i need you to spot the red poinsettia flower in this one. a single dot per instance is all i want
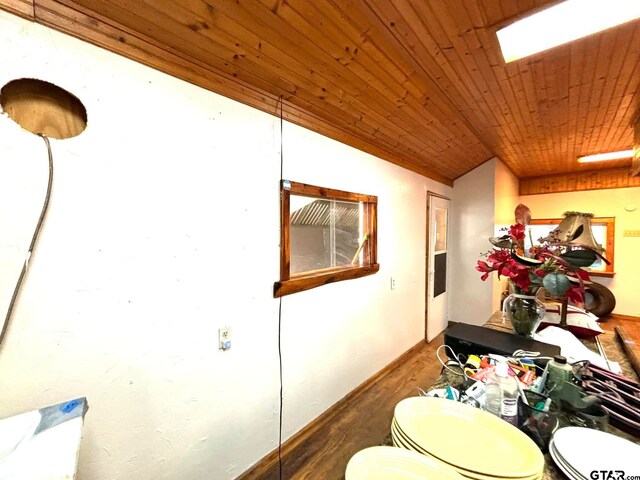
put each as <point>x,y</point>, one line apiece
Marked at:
<point>583,274</point>
<point>498,258</point>
<point>518,273</point>
<point>575,294</point>
<point>485,268</point>
<point>517,232</point>
<point>526,268</point>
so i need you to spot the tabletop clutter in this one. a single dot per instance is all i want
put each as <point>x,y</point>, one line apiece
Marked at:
<point>495,416</point>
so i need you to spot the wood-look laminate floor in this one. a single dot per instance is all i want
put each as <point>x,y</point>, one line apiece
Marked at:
<point>365,420</point>
<point>631,325</point>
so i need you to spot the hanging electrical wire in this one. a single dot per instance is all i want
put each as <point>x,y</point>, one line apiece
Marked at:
<point>34,239</point>
<point>280,325</point>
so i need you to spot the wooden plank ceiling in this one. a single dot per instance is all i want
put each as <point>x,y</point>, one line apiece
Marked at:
<point>421,83</point>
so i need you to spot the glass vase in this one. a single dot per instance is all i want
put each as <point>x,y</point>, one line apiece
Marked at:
<point>525,313</point>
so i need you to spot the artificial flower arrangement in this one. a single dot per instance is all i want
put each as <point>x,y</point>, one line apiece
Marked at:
<point>555,264</point>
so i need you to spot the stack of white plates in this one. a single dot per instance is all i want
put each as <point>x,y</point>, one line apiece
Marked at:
<point>580,451</point>
<point>475,443</point>
<point>390,463</point>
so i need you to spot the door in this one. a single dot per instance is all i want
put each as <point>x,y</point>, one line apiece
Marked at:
<point>437,245</point>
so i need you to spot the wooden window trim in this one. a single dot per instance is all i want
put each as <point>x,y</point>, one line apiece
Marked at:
<point>288,283</point>
<point>610,222</point>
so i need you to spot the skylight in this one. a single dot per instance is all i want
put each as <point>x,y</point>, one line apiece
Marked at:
<point>563,23</point>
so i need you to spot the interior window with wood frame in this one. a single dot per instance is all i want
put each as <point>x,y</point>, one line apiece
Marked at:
<point>604,230</point>
<point>326,236</point>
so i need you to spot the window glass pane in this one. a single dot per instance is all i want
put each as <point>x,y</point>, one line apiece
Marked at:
<point>599,233</point>
<point>441,229</point>
<point>323,233</point>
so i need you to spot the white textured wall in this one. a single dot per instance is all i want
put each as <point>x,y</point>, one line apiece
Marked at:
<point>472,223</point>
<point>163,227</point>
<point>604,203</point>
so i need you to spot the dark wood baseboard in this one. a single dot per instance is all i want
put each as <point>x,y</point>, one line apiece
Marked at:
<point>290,447</point>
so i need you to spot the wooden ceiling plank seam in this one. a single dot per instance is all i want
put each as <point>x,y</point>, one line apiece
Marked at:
<point>462,23</point>
<point>448,139</point>
<point>328,37</point>
<point>437,29</point>
<point>583,87</point>
<point>494,68</point>
<point>618,63</point>
<point>452,86</point>
<point>545,75</point>
<point>547,102</point>
<point>417,46</point>
<point>515,151</point>
<point>540,79</point>
<point>524,73</point>
<point>495,12</point>
<point>559,112</point>
<point>528,146</point>
<point>596,99</point>
<point>487,99</point>
<point>553,69</point>
<point>276,28</point>
<point>478,99</point>
<point>397,69</point>
<point>487,44</point>
<point>379,38</point>
<point>594,94</point>
<point>627,84</point>
<point>617,137</point>
<point>442,158</point>
<point>369,80</point>
<point>526,77</point>
<point>410,40</point>
<point>48,13</point>
<point>509,74</point>
<point>589,73</point>
<point>576,63</point>
<point>451,107</point>
<point>610,88</point>
<point>624,138</point>
<point>409,102</point>
<point>491,72</point>
<point>626,111</point>
<point>444,107</point>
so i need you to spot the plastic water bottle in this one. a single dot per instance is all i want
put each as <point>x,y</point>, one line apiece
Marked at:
<point>502,394</point>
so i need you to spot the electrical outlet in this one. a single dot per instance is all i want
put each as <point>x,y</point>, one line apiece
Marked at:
<point>224,338</point>
<point>631,233</point>
<point>392,285</point>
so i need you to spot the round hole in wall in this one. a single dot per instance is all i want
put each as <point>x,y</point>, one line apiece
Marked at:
<point>43,108</point>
